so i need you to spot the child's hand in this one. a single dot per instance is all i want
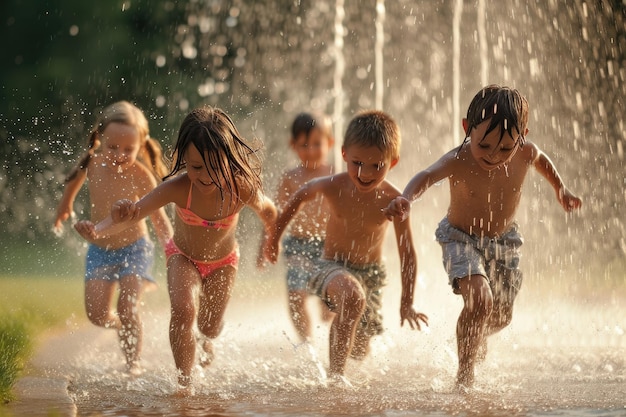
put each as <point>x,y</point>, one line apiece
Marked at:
<point>568,200</point>
<point>413,317</point>
<point>399,207</point>
<point>64,213</point>
<point>123,210</point>
<point>87,230</point>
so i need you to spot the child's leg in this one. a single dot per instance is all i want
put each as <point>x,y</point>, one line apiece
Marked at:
<point>98,297</point>
<point>345,293</point>
<point>477,306</point>
<point>505,287</point>
<point>298,313</point>
<point>182,279</point>
<point>131,331</point>
<point>215,292</point>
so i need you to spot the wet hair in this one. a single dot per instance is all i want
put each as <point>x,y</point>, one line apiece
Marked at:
<point>503,106</point>
<point>374,128</point>
<point>222,147</point>
<point>305,123</point>
<point>123,112</point>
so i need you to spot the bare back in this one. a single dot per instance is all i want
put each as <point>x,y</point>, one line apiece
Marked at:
<point>356,226</point>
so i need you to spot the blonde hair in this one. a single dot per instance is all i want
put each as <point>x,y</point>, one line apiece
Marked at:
<point>150,152</point>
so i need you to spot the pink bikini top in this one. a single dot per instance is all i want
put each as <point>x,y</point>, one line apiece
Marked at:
<point>192,219</point>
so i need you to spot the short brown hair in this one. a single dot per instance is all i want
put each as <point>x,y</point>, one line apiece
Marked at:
<point>374,128</point>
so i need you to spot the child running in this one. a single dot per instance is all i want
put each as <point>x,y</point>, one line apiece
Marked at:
<point>215,174</point>
<point>122,161</point>
<point>350,275</point>
<point>311,139</point>
<point>479,236</point>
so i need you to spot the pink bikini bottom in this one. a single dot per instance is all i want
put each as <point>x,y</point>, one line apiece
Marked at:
<point>204,268</point>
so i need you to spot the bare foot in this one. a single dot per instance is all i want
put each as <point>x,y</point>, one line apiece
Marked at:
<point>185,392</point>
<point>185,389</point>
<point>339,381</point>
<point>134,369</point>
<point>465,379</point>
<point>207,355</point>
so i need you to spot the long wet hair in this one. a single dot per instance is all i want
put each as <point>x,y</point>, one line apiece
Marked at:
<point>374,128</point>
<point>503,106</point>
<point>223,149</point>
<point>123,112</point>
<point>305,123</point>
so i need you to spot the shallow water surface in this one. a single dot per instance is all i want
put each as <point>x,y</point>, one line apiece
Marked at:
<point>562,359</point>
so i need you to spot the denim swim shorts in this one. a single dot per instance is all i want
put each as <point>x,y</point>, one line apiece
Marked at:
<point>111,265</point>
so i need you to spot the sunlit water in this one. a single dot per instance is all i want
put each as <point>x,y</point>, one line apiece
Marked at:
<point>560,357</point>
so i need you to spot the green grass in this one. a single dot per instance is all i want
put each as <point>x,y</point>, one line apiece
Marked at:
<point>28,307</point>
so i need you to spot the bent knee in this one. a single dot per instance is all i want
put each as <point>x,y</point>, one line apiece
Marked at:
<point>476,294</point>
<point>347,295</point>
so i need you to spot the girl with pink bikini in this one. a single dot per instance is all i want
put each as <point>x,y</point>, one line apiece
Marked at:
<point>216,173</point>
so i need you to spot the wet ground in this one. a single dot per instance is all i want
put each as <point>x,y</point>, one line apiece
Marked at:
<point>559,358</point>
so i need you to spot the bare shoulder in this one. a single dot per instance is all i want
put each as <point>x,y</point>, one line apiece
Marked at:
<point>528,152</point>
<point>387,190</point>
<point>454,162</point>
<point>142,173</point>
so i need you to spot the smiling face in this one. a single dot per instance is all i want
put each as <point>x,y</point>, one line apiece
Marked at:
<point>367,166</point>
<point>203,176</point>
<point>494,149</point>
<point>120,145</point>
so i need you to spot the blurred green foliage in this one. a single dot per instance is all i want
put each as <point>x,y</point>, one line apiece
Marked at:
<point>264,61</point>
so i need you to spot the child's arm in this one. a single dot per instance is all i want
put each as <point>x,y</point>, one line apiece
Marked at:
<point>265,209</point>
<point>125,213</point>
<point>408,267</point>
<point>401,205</point>
<point>65,208</point>
<point>307,192</point>
<point>546,168</point>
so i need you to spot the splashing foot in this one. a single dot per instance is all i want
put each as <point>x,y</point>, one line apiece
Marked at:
<point>206,354</point>
<point>134,369</point>
<point>184,389</point>
<point>339,381</point>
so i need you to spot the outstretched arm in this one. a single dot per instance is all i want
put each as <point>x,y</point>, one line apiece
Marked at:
<point>408,266</point>
<point>125,213</point>
<point>546,168</point>
<point>266,210</point>
<point>307,192</point>
<point>65,207</point>
<point>401,205</point>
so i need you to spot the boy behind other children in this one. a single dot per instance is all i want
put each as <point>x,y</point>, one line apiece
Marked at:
<point>350,275</point>
<point>311,139</point>
<point>479,236</point>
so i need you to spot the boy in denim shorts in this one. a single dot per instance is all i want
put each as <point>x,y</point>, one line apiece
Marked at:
<point>479,236</point>
<point>350,275</point>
